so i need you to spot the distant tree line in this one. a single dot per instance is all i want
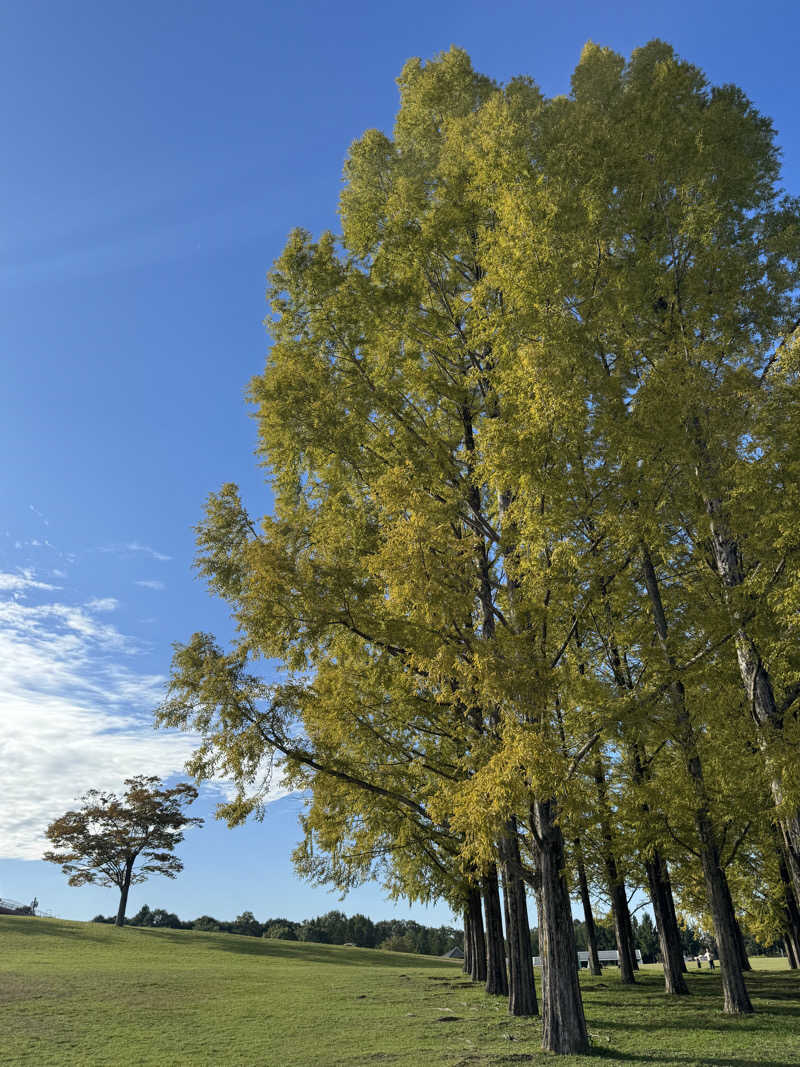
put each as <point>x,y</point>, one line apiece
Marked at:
<point>333,928</point>
<point>404,935</point>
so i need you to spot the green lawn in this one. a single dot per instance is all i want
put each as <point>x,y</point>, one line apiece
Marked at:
<point>80,993</point>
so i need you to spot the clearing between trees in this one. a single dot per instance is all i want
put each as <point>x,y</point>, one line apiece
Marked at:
<point>91,994</point>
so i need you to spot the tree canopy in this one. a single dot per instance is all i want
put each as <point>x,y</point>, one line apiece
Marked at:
<point>532,570</point>
<point>102,841</point>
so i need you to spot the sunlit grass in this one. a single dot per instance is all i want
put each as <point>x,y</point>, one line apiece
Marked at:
<point>81,993</point>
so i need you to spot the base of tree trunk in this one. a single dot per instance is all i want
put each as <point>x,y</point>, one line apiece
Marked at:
<point>522,999</point>
<point>563,1020</point>
<point>477,939</point>
<point>496,975</point>
<point>467,965</point>
<point>123,902</point>
<point>666,924</point>
<point>619,909</point>
<point>736,999</point>
<point>595,967</point>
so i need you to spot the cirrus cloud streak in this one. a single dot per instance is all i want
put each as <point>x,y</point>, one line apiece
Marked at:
<point>76,714</point>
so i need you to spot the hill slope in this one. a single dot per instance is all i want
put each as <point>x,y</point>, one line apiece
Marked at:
<point>83,993</point>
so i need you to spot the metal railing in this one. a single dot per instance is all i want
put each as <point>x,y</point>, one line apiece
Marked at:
<point>14,907</point>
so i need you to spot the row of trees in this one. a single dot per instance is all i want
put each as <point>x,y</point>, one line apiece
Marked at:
<point>333,928</point>
<point>531,427</point>
<point>405,935</point>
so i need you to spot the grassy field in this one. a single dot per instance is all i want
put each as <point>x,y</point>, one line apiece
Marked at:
<point>81,993</point>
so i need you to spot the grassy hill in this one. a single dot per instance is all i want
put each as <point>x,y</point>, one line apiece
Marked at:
<point>82,993</point>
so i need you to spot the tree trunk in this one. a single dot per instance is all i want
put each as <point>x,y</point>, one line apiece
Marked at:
<point>669,939</point>
<point>755,677</point>
<point>123,894</point>
<point>467,967</point>
<point>627,926</point>
<point>791,841</point>
<point>616,888</point>
<point>735,995</point>
<point>619,910</point>
<point>496,977</point>
<point>792,915</point>
<point>744,962</point>
<point>791,953</point>
<point>588,917</point>
<point>563,1021</point>
<point>726,931</point>
<point>655,866</point>
<point>673,916</point>
<point>478,941</point>
<point>769,720</point>
<point>522,998</point>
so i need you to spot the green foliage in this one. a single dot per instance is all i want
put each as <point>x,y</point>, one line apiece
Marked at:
<point>646,937</point>
<point>101,841</point>
<point>553,350</point>
<point>396,943</point>
<point>280,931</point>
<point>158,918</point>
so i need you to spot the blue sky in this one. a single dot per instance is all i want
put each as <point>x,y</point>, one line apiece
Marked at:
<point>155,157</point>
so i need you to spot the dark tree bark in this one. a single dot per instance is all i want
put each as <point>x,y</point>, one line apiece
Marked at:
<point>588,917</point>
<point>467,966</point>
<point>563,1021</point>
<point>477,939</point>
<point>627,926</point>
<point>791,953</point>
<point>669,938</point>
<point>616,887</point>
<point>655,866</point>
<point>756,680</point>
<point>619,911</point>
<point>791,915</point>
<point>735,996</point>
<point>726,930</point>
<point>123,893</point>
<point>744,962</point>
<point>790,831</point>
<point>496,976</point>
<point>743,957</point>
<point>673,915</point>
<point>522,998</point>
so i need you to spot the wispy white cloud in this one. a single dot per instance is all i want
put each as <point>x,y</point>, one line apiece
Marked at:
<point>151,583</point>
<point>37,542</point>
<point>131,547</point>
<point>102,603</point>
<point>76,715</point>
<point>21,582</point>
<point>76,711</point>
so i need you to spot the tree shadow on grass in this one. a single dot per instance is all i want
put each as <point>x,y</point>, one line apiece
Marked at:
<point>723,1024</point>
<point>705,995</point>
<point>299,951</point>
<point>694,1061</point>
<point>55,928</point>
<point>302,951</point>
<point>780,986</point>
